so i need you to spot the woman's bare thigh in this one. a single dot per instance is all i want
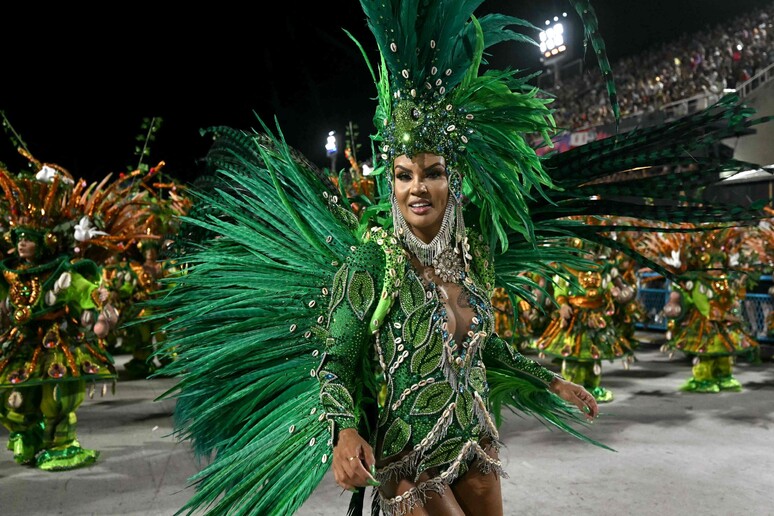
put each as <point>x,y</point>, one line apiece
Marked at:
<point>477,493</point>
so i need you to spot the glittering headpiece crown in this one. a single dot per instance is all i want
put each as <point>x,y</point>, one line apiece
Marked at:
<point>425,121</point>
<point>432,99</point>
<point>36,207</point>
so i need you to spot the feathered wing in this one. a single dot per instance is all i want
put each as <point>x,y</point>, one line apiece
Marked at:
<point>650,173</point>
<point>655,174</point>
<point>647,178</point>
<point>242,314</point>
<point>591,35</point>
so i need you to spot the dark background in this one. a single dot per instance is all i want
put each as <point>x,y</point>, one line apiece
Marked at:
<point>77,84</point>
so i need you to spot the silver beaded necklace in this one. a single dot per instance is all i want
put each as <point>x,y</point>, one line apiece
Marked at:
<point>425,253</point>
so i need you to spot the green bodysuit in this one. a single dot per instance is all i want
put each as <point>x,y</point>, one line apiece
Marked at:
<point>428,356</point>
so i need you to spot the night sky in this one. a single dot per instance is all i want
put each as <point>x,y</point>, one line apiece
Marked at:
<point>77,91</point>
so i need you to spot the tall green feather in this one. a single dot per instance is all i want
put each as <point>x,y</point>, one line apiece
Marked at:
<point>242,320</point>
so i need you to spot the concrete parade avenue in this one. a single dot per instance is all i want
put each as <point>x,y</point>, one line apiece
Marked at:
<point>677,453</point>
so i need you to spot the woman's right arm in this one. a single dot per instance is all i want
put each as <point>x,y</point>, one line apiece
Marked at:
<point>341,368</point>
<point>340,387</point>
<point>345,364</point>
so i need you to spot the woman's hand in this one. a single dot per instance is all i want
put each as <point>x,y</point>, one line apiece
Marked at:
<point>353,461</point>
<point>577,395</point>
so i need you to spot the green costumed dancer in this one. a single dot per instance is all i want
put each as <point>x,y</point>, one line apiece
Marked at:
<point>309,339</point>
<point>163,202</point>
<point>585,332</point>
<point>703,310</point>
<point>54,319</point>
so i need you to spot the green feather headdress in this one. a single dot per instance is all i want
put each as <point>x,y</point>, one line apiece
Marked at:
<point>431,98</point>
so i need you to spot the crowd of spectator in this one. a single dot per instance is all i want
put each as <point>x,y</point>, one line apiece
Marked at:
<point>704,63</point>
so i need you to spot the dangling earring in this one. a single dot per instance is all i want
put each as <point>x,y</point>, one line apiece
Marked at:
<point>398,222</point>
<point>460,236</point>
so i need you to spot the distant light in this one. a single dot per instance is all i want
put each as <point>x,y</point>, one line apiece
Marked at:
<point>729,90</point>
<point>556,18</point>
<point>564,15</point>
<point>739,46</point>
<point>330,144</point>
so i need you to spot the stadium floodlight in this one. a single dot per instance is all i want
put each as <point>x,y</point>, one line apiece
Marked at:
<point>552,42</point>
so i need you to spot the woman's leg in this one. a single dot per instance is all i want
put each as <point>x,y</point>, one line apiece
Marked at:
<point>477,493</point>
<point>436,504</point>
<point>20,414</point>
<point>61,448</point>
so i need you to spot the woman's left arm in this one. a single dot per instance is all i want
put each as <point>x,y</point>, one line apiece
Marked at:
<point>499,353</point>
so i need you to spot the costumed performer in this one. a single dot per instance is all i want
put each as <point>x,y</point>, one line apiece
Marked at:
<point>308,338</point>
<point>55,316</point>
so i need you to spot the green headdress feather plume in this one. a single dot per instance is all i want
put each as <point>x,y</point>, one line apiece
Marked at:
<point>432,99</point>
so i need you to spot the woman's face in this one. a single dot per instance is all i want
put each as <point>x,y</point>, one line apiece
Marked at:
<point>422,192</point>
<point>26,248</point>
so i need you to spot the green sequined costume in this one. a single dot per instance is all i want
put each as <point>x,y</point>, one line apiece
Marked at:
<point>278,301</point>
<point>48,358</point>
<point>434,414</point>
<point>289,326</point>
<point>711,330</point>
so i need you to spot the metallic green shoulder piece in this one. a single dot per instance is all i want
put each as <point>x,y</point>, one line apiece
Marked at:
<point>482,267</point>
<point>395,263</point>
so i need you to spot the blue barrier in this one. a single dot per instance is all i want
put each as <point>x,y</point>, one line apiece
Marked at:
<point>755,310</point>
<point>653,300</point>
